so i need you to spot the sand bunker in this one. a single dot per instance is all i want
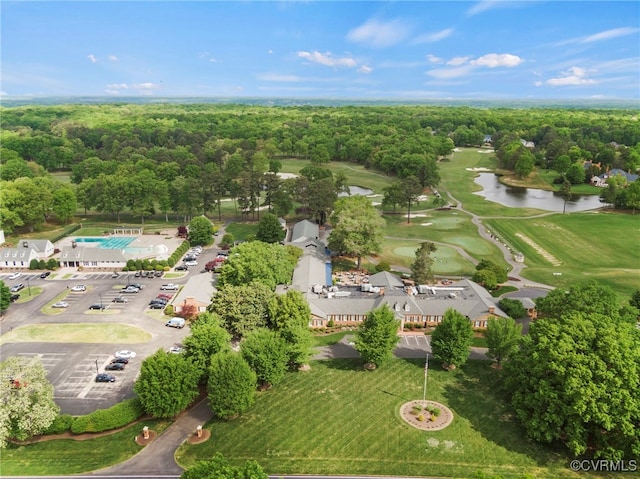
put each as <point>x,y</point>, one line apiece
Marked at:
<point>426,224</point>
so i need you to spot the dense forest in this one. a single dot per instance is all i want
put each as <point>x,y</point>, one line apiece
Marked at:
<point>185,158</point>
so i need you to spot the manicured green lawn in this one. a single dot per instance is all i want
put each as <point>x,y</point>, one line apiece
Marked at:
<point>340,419</point>
<point>242,231</point>
<point>67,456</point>
<point>580,246</point>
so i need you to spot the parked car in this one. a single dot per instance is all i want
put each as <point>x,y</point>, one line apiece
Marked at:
<point>165,295</point>
<point>120,299</point>
<point>114,367</point>
<point>159,274</point>
<point>120,360</point>
<point>17,287</point>
<point>126,354</point>
<point>130,289</point>
<point>60,304</point>
<point>169,287</point>
<point>45,274</point>
<point>176,323</point>
<point>182,267</point>
<point>79,288</point>
<point>191,263</point>
<point>157,305</point>
<point>97,306</point>
<point>14,297</point>
<point>15,275</point>
<point>138,274</point>
<point>105,378</point>
<point>115,275</point>
<point>190,258</point>
<point>175,350</point>
<point>136,285</point>
<point>161,301</point>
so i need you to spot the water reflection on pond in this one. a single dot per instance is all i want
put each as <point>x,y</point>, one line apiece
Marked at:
<point>514,197</point>
<point>357,190</point>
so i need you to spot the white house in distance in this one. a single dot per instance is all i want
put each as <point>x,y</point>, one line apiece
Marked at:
<point>89,257</point>
<point>24,252</point>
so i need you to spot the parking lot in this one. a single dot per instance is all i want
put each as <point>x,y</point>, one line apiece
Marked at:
<point>72,367</point>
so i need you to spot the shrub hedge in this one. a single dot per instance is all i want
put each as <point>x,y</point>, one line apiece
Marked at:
<point>65,233</point>
<point>61,424</point>
<point>104,419</point>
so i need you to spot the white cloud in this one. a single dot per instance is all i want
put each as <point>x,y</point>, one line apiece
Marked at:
<point>365,69</point>
<point>462,66</point>
<point>608,34</point>
<point>457,61</point>
<point>3,93</point>
<point>327,59</point>
<point>493,60</point>
<point>213,60</point>
<point>483,6</point>
<point>278,77</point>
<point>270,52</point>
<point>92,58</point>
<point>572,77</point>
<point>145,88</point>
<point>379,33</point>
<point>446,73</point>
<point>433,59</point>
<point>433,37</point>
<point>113,58</point>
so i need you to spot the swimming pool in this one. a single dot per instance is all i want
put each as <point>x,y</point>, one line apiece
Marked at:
<point>120,242</point>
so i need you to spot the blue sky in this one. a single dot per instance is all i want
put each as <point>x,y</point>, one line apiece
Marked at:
<point>416,50</point>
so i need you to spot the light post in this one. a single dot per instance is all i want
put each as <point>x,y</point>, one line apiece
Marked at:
<point>101,308</point>
<point>96,366</point>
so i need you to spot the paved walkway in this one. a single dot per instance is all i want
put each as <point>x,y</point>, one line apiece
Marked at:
<point>157,458</point>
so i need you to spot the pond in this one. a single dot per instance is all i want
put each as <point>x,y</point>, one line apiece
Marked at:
<point>514,197</point>
<point>357,190</point>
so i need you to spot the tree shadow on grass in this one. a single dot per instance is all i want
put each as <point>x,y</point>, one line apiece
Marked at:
<point>344,364</point>
<point>478,396</point>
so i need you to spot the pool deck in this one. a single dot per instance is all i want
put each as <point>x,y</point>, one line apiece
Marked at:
<point>167,238</point>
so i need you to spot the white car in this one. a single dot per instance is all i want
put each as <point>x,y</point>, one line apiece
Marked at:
<point>125,354</point>
<point>191,263</point>
<point>175,350</point>
<point>15,275</point>
<point>60,304</point>
<point>79,287</point>
<point>169,287</point>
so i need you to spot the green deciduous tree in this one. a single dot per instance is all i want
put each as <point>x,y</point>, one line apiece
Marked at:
<point>503,335</point>
<point>231,386</point>
<point>266,353</point>
<point>486,278</point>
<point>269,229</point>
<point>421,268</point>
<point>590,297</point>
<point>27,399</point>
<point>207,338</point>
<point>268,264</point>
<point>64,204</point>
<point>358,228</point>
<point>377,336</point>
<point>451,339</point>
<point>513,307</point>
<point>242,308</point>
<point>167,384</point>
<point>576,380</point>
<point>219,468</point>
<point>200,231</point>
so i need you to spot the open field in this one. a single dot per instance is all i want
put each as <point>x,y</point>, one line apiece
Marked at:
<point>77,333</point>
<point>67,456</point>
<point>339,419</point>
<point>585,246</point>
